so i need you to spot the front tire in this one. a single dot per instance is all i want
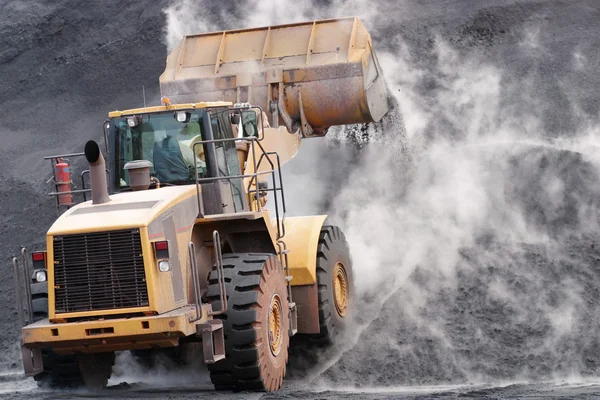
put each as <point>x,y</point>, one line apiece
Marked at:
<point>256,323</point>
<point>96,369</point>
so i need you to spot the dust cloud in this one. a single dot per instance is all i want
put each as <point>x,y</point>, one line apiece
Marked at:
<point>163,372</point>
<point>469,222</point>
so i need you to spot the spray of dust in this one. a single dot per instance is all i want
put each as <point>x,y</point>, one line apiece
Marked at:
<point>466,220</point>
<point>163,372</point>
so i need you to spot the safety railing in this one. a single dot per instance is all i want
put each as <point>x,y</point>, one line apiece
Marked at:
<point>196,281</point>
<point>63,184</point>
<point>220,276</point>
<point>293,311</point>
<point>22,277</point>
<point>253,185</point>
<point>64,198</point>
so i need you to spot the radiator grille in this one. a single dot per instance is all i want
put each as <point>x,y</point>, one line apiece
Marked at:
<point>99,271</point>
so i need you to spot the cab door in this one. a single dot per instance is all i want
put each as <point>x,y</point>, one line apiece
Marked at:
<point>222,195</point>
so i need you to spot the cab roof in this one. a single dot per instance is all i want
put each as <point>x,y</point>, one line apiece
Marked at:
<point>168,107</point>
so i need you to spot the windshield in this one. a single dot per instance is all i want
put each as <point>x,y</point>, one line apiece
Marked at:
<point>165,142</point>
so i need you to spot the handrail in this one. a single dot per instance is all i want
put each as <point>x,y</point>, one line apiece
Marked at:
<point>64,156</point>
<point>53,161</point>
<point>253,177</point>
<point>280,232</point>
<point>22,281</point>
<point>18,290</point>
<point>220,275</point>
<point>84,191</point>
<point>283,259</point>
<point>26,280</point>
<point>196,281</point>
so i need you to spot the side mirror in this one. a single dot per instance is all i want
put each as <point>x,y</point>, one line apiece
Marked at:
<point>249,123</point>
<point>106,128</point>
<point>235,118</point>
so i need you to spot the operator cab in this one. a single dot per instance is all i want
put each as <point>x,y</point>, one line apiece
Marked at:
<point>182,144</point>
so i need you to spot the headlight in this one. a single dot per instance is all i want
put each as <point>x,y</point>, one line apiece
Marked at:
<point>182,116</point>
<point>132,122</point>
<point>40,276</point>
<point>163,266</point>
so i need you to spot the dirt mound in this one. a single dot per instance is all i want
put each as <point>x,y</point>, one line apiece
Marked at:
<point>503,319</point>
<point>508,310</point>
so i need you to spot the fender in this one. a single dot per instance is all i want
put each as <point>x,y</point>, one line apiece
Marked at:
<point>302,239</point>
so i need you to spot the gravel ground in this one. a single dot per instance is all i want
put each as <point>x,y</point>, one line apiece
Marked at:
<point>463,310</point>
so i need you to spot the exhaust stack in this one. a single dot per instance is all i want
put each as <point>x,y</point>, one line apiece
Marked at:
<point>97,173</point>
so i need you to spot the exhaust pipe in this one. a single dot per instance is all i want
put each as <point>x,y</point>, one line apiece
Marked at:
<point>97,173</point>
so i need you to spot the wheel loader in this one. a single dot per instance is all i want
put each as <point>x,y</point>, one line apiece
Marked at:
<point>181,240</point>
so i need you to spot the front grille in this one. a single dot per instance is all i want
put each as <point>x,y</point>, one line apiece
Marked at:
<point>99,271</point>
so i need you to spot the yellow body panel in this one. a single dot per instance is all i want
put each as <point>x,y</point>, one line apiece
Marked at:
<point>114,334</point>
<point>125,210</point>
<point>168,107</point>
<point>302,239</point>
<point>263,214</point>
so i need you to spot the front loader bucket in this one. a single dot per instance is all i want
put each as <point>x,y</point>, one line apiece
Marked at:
<point>310,75</point>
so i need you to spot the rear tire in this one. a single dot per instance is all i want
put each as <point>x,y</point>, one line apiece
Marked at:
<point>96,369</point>
<point>335,283</point>
<point>60,371</point>
<point>256,323</point>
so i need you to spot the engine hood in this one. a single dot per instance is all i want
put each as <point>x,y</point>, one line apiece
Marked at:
<point>125,210</point>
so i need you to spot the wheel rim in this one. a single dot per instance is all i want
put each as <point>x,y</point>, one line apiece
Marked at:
<point>340,289</point>
<point>275,325</point>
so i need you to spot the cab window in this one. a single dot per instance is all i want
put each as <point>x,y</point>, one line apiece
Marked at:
<point>164,141</point>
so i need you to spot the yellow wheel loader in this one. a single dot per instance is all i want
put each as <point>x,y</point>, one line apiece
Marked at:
<point>184,243</point>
